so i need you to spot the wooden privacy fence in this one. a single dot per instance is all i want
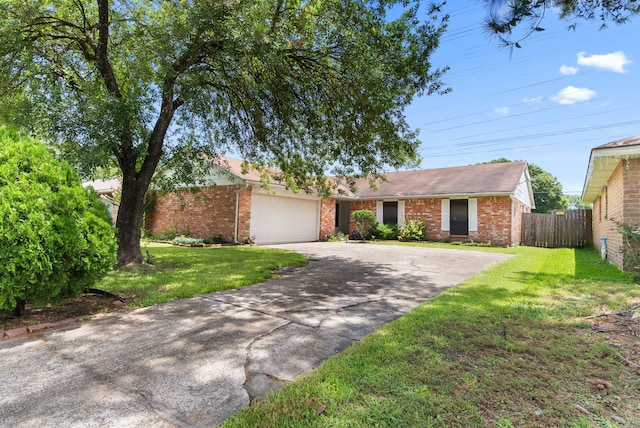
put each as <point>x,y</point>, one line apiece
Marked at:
<point>568,229</point>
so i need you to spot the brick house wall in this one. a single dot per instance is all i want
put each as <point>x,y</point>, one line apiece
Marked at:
<point>519,208</point>
<point>359,205</point>
<point>494,221</point>
<point>327,218</point>
<point>429,210</point>
<point>619,200</point>
<point>494,218</point>
<point>207,213</point>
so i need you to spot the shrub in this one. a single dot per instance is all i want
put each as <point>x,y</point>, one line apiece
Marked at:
<point>338,237</point>
<point>414,230</point>
<point>170,233</point>
<point>364,220</point>
<point>386,231</point>
<point>630,247</point>
<point>187,241</point>
<point>217,239</point>
<point>56,237</point>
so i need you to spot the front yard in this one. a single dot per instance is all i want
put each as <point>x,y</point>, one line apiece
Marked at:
<point>513,346</point>
<point>176,273</point>
<point>547,338</point>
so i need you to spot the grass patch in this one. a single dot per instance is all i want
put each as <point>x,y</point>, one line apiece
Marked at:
<point>508,347</point>
<point>179,272</point>
<point>449,246</point>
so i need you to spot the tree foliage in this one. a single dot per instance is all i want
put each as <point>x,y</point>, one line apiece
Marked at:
<point>56,238</point>
<point>306,86</point>
<point>575,203</point>
<point>547,190</point>
<point>528,16</point>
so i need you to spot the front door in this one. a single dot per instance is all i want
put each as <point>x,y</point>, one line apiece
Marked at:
<point>459,221</point>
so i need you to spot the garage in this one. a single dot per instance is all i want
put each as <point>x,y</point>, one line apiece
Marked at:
<point>278,219</point>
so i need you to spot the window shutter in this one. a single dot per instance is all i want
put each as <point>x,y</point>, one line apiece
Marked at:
<point>379,211</point>
<point>445,215</point>
<point>473,215</point>
<point>400,214</point>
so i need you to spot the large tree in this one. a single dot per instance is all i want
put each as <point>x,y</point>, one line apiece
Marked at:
<point>307,86</point>
<point>512,21</point>
<point>547,190</point>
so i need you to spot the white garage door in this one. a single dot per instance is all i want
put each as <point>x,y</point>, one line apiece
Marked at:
<point>278,219</point>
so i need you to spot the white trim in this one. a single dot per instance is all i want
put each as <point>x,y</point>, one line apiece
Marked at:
<point>446,214</point>
<point>473,215</point>
<point>400,214</point>
<point>380,212</point>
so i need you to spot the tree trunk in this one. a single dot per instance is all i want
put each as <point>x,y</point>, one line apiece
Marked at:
<point>129,222</point>
<point>18,311</point>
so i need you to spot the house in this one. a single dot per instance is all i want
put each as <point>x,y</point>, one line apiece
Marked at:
<point>107,190</point>
<point>479,202</point>
<point>612,184</point>
<point>237,209</point>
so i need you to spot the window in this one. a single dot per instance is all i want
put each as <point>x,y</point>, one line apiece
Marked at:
<point>390,212</point>
<point>606,203</point>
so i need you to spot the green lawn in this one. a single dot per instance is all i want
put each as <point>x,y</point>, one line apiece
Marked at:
<point>180,272</point>
<point>510,347</point>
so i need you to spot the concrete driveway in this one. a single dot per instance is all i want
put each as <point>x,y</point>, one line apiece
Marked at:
<point>194,362</point>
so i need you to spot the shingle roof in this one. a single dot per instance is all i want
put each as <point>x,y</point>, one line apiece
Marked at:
<point>498,178</point>
<point>598,172</point>
<point>626,142</point>
<point>235,168</point>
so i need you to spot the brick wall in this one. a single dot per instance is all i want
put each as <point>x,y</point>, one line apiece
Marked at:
<point>631,191</point>
<point>619,200</point>
<point>494,221</point>
<point>518,209</point>
<point>494,218</point>
<point>327,218</point>
<point>609,205</point>
<point>429,210</point>
<point>205,214</point>
<point>360,205</point>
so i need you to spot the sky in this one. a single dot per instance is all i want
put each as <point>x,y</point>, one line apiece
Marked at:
<point>549,103</point>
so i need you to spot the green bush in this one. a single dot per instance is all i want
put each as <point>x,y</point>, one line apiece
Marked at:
<point>338,237</point>
<point>414,230</point>
<point>386,231</point>
<point>56,238</point>
<point>187,241</point>
<point>365,220</point>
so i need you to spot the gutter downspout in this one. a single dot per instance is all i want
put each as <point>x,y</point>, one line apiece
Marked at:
<point>513,223</point>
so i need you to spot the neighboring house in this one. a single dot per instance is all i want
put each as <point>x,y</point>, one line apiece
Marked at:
<point>107,190</point>
<point>479,202</point>
<point>612,184</point>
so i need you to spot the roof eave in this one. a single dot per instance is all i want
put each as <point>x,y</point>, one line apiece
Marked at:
<point>424,196</point>
<point>595,180</point>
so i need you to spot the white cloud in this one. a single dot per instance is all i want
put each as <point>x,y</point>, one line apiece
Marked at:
<point>503,111</point>
<point>615,61</point>
<point>568,70</point>
<point>572,95</point>
<point>533,100</point>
